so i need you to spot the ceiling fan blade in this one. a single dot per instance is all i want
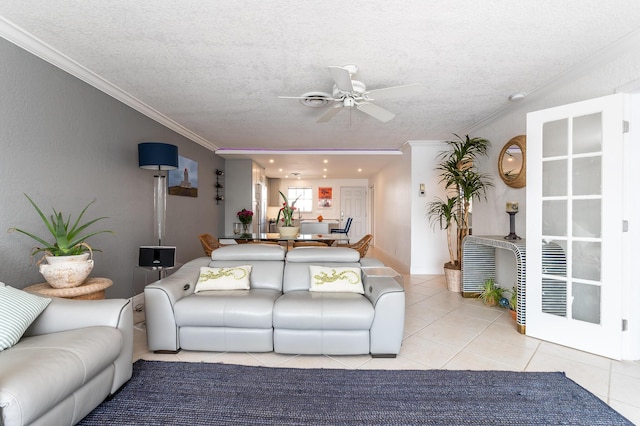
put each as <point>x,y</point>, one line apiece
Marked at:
<point>391,92</point>
<point>342,78</point>
<point>330,114</point>
<point>376,112</point>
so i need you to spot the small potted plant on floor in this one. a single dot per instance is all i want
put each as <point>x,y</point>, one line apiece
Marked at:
<point>67,257</point>
<point>491,293</point>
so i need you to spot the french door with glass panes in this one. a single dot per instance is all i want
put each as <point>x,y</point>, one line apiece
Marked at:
<point>574,212</point>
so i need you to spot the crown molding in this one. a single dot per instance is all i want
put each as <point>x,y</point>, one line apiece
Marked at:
<point>231,151</point>
<point>33,45</point>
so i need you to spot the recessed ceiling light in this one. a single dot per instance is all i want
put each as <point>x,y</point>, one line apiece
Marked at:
<point>517,97</point>
<point>324,170</point>
<point>271,160</point>
<point>279,170</point>
<point>359,170</point>
<point>326,161</point>
<point>324,176</point>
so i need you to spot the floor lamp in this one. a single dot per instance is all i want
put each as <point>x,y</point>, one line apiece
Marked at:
<point>158,156</point>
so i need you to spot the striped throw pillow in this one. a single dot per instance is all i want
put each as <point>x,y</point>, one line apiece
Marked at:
<point>18,309</point>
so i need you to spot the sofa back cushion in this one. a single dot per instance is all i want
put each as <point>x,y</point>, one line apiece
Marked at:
<point>296,271</point>
<point>266,260</point>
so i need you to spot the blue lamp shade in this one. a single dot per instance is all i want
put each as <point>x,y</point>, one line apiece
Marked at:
<point>157,156</point>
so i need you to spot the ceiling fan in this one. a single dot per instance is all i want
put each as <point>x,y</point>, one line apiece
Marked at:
<point>349,93</point>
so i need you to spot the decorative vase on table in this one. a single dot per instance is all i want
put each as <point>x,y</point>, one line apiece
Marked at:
<point>66,271</point>
<point>245,217</point>
<point>246,228</point>
<point>288,231</point>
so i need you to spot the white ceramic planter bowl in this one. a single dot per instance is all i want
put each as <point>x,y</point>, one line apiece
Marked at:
<point>288,231</point>
<point>66,271</point>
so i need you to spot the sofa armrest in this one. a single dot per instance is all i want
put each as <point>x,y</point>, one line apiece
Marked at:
<point>159,300</point>
<point>65,314</point>
<point>388,299</point>
<point>376,287</point>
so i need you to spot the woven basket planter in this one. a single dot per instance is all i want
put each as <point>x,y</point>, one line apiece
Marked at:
<point>453,278</point>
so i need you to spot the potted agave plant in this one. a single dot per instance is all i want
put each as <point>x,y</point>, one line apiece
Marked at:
<point>463,182</point>
<point>67,257</point>
<point>287,229</point>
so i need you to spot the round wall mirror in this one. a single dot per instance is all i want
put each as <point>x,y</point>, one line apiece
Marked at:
<point>512,162</point>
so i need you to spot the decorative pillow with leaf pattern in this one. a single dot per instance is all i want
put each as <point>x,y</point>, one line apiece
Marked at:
<point>335,279</point>
<point>224,278</point>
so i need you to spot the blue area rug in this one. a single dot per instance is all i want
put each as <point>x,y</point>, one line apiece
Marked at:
<point>175,393</point>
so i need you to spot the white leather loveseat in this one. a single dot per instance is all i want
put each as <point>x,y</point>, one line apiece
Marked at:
<point>278,312</point>
<point>74,355</point>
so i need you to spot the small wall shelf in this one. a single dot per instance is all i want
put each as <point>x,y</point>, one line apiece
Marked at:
<point>219,186</point>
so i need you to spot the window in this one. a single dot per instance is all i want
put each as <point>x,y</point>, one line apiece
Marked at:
<point>305,202</point>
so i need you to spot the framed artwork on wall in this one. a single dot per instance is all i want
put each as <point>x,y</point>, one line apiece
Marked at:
<point>184,180</point>
<point>325,197</point>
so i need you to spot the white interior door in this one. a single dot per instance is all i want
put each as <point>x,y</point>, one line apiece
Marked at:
<point>353,203</point>
<point>575,225</point>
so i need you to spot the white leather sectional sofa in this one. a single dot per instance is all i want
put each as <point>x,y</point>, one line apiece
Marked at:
<point>74,355</point>
<point>278,313</point>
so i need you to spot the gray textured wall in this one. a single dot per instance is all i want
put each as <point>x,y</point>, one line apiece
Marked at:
<point>65,143</point>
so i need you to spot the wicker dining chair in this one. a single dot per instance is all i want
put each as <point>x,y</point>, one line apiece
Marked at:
<point>309,243</point>
<point>209,243</point>
<point>362,245</point>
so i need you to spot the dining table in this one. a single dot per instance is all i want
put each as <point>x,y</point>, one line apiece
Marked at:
<point>275,236</point>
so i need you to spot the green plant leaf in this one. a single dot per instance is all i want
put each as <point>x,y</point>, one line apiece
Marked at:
<point>66,240</point>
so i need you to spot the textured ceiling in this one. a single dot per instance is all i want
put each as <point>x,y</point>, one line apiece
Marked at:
<point>217,67</point>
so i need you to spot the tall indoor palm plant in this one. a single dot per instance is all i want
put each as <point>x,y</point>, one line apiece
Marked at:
<point>463,182</point>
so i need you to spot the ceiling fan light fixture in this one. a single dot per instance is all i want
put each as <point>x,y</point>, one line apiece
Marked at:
<point>316,99</point>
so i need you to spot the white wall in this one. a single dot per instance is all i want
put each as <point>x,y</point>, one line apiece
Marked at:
<point>428,244</point>
<point>393,213</point>
<point>600,76</point>
<point>613,70</point>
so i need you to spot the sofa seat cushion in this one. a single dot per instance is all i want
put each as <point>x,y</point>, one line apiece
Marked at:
<point>227,308</point>
<point>40,371</point>
<point>304,310</point>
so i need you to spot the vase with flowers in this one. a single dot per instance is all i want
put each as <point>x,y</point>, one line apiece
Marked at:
<point>245,217</point>
<point>287,228</point>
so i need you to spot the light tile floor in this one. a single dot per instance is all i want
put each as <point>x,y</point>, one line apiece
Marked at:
<point>445,331</point>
